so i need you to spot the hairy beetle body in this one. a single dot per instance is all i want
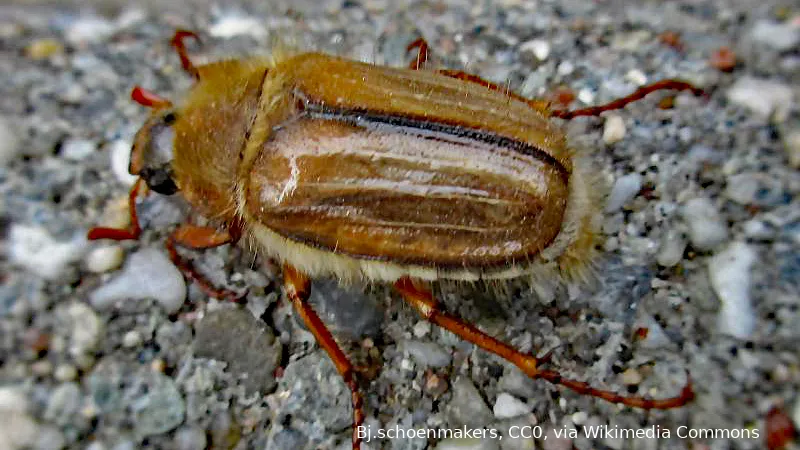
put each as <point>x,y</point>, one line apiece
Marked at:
<point>365,172</point>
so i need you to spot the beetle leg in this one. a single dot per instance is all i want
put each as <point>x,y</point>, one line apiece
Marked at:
<point>422,300</point>
<point>117,234</point>
<point>183,54</point>
<point>422,53</point>
<point>198,238</point>
<point>622,102</point>
<point>298,289</point>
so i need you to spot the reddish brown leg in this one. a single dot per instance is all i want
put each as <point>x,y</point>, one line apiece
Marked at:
<point>539,105</point>
<point>422,53</point>
<point>422,299</point>
<point>298,288</point>
<point>198,238</point>
<point>622,102</point>
<point>178,43</point>
<point>133,231</point>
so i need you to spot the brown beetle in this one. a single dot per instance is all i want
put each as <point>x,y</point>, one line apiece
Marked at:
<point>335,167</point>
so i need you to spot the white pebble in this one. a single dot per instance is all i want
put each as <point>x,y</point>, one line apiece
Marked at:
<point>565,68</point>
<point>729,271</point>
<point>613,129</point>
<point>13,399</point>
<point>105,258</point>
<point>706,228</point>
<point>428,354</point>
<point>778,36</point>
<point>539,47</point>
<point>87,329</point>
<point>586,96</point>
<point>148,273</point>
<point>579,417</point>
<point>131,339</point>
<point>763,97</point>
<point>120,151</point>
<point>235,25</point>
<point>673,244</point>
<point>17,430</point>
<point>791,143</point>
<point>742,188</point>
<point>9,143</point>
<point>508,406</point>
<point>65,372</point>
<point>422,328</point>
<point>34,249</point>
<point>89,29</point>
<point>77,149</point>
<point>625,189</point>
<point>636,77</point>
<point>631,377</point>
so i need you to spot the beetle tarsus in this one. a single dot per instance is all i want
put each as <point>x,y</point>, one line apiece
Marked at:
<point>620,103</point>
<point>119,234</point>
<point>298,289</point>
<point>423,301</point>
<point>177,42</point>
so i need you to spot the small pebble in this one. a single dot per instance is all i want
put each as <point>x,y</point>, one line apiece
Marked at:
<point>466,406</point>
<point>422,328</point>
<point>89,29</point>
<point>636,77</point>
<point>777,36</point>
<point>427,354</point>
<point>86,329</point>
<point>9,142</point>
<point>34,249</point>
<point>77,149</point>
<point>729,271</point>
<point>763,97</point>
<point>579,418</point>
<point>791,143</point>
<point>120,151</point>
<point>105,258</point>
<point>43,49</point>
<point>670,252</point>
<point>65,372</point>
<point>190,438</point>
<point>132,339</point>
<point>613,129</point>
<point>539,47</point>
<point>235,25</point>
<point>742,188</point>
<point>42,368</point>
<point>565,68</point>
<point>625,189</point>
<point>64,402</point>
<point>706,228</point>
<point>508,406</point>
<point>586,96</point>
<point>631,377</point>
<point>723,59</point>
<point>148,273</point>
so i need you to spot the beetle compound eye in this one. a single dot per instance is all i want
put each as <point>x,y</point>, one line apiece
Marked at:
<point>159,179</point>
<point>169,118</point>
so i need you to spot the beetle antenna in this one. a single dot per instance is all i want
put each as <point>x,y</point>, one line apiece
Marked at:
<point>622,102</point>
<point>177,42</point>
<point>149,99</point>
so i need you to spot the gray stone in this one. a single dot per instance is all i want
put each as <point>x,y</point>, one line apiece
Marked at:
<point>234,336</point>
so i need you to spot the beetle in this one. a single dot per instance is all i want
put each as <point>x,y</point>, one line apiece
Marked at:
<point>362,172</point>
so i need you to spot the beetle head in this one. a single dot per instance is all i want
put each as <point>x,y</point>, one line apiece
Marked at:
<point>152,152</point>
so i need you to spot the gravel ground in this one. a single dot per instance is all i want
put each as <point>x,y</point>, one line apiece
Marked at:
<point>699,272</point>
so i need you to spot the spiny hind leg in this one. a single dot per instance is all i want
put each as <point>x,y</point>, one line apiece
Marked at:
<point>422,300</point>
<point>298,289</point>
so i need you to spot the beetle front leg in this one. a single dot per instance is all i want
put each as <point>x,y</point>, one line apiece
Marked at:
<point>422,300</point>
<point>199,238</point>
<point>298,289</point>
<point>134,230</point>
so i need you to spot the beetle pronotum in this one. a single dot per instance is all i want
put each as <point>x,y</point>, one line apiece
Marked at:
<point>335,167</point>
